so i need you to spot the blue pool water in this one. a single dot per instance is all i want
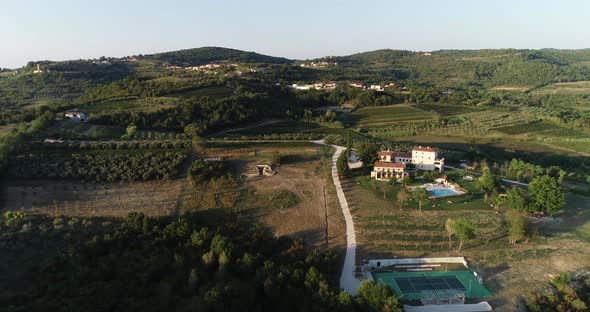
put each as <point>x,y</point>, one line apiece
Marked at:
<point>442,192</point>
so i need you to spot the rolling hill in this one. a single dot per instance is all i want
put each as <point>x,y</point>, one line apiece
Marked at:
<point>204,55</point>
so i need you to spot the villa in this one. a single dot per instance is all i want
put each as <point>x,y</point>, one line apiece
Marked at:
<point>393,164</point>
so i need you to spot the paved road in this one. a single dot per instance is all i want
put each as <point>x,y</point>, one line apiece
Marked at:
<point>348,282</point>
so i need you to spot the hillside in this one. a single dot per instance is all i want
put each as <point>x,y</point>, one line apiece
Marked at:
<point>486,68</point>
<point>204,55</point>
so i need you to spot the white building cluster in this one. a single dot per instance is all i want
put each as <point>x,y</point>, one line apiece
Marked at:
<point>392,164</point>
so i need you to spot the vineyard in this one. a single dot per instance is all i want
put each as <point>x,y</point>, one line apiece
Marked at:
<point>446,110</point>
<point>527,128</point>
<point>374,116</point>
<point>103,167</point>
<point>471,124</point>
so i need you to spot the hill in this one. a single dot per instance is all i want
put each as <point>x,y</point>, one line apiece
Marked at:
<point>204,55</point>
<point>486,68</point>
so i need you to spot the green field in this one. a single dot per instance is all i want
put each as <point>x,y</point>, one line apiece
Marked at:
<point>386,230</point>
<point>375,116</point>
<point>527,128</point>
<point>445,110</point>
<point>67,129</point>
<point>569,88</point>
<point>278,128</point>
<point>135,105</point>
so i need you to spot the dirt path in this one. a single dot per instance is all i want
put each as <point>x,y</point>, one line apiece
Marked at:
<point>347,280</point>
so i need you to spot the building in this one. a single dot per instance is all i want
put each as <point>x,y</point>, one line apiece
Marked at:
<point>383,170</point>
<point>376,87</point>
<point>77,116</point>
<point>393,164</point>
<point>426,158</point>
<point>38,70</point>
<point>357,85</point>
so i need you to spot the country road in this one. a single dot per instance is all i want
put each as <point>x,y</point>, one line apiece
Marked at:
<point>348,282</point>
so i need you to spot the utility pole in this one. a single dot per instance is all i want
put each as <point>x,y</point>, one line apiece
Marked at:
<point>326,215</point>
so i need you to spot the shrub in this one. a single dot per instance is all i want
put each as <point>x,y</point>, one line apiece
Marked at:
<point>283,199</point>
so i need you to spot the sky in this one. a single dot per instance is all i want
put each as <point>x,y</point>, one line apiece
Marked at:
<point>33,30</point>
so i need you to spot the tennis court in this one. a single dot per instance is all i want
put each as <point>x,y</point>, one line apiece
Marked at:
<point>409,285</point>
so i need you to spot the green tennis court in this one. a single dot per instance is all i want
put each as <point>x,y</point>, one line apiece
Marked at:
<point>409,285</point>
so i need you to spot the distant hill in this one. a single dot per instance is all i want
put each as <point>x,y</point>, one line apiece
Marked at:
<point>204,55</point>
<point>488,68</point>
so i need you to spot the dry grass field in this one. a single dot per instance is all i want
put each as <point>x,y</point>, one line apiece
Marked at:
<point>304,172</point>
<point>75,198</point>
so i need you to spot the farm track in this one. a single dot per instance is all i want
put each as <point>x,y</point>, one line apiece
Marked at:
<point>347,280</point>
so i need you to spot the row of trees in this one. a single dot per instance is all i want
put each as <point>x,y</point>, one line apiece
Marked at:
<point>568,292</point>
<point>98,167</point>
<point>545,195</point>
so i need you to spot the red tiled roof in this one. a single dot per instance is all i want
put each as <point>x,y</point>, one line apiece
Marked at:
<point>423,149</point>
<point>441,176</point>
<point>389,164</point>
<point>403,154</point>
<point>395,154</point>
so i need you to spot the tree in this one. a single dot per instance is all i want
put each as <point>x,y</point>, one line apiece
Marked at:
<point>421,196</point>
<point>465,231</point>
<point>275,158</point>
<point>131,131</point>
<point>342,164</point>
<point>193,132</point>
<point>402,197</point>
<point>377,297</point>
<point>406,181</point>
<point>516,226</point>
<point>367,153</point>
<point>450,227</point>
<point>546,195</point>
<point>486,182</point>
<point>428,176</point>
<point>516,199</point>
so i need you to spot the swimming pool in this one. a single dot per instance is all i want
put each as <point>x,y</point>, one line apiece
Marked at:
<point>440,192</point>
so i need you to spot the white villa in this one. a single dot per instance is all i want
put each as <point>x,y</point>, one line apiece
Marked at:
<point>77,116</point>
<point>393,164</point>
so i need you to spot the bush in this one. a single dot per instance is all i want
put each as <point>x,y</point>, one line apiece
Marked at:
<point>283,199</point>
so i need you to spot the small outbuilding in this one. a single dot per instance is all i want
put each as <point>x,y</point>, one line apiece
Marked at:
<point>441,178</point>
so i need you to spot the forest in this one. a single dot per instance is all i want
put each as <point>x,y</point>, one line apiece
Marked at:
<point>199,261</point>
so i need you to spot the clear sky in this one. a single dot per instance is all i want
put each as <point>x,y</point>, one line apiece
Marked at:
<point>62,29</point>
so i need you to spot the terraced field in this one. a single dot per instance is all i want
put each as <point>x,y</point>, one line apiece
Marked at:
<point>384,115</point>
<point>277,128</point>
<point>446,110</point>
<point>577,87</point>
<point>527,128</point>
<point>212,92</point>
<point>135,105</point>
